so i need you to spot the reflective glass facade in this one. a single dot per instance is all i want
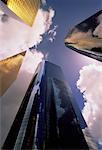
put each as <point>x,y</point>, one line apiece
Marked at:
<point>46,118</point>
<point>9,69</point>
<point>86,38</point>
<point>25,9</point>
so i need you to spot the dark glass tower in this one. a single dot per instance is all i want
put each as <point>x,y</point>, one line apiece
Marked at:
<point>46,118</point>
<point>86,38</point>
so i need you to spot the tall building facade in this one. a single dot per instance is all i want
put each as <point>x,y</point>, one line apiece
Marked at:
<point>86,38</point>
<point>26,10</point>
<point>46,118</point>
<point>9,69</point>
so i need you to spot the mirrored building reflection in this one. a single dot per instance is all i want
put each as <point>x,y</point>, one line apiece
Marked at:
<point>25,10</point>
<point>86,37</point>
<point>9,69</point>
<point>46,118</point>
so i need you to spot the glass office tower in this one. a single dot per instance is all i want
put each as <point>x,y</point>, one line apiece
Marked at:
<point>86,37</point>
<point>46,118</point>
<point>25,9</point>
<point>9,69</point>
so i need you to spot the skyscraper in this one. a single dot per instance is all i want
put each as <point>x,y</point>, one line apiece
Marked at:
<point>26,10</point>
<point>86,37</point>
<point>9,69</point>
<point>46,118</point>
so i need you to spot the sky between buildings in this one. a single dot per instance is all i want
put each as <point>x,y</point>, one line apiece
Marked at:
<point>69,13</point>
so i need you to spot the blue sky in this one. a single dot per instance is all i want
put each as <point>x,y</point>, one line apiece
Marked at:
<point>68,13</point>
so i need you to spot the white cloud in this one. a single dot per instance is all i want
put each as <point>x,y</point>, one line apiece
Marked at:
<point>15,36</point>
<point>42,25</point>
<point>43,2</point>
<point>90,84</point>
<point>52,33</point>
